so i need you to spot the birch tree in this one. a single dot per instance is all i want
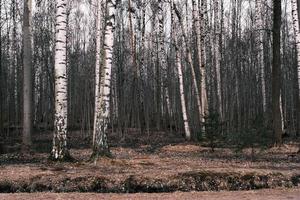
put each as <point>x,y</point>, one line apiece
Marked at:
<point>203,34</point>
<point>200,51</point>
<point>100,147</point>
<point>59,149</point>
<point>180,75</point>
<point>190,62</point>
<point>295,15</point>
<point>97,64</point>
<point>297,36</point>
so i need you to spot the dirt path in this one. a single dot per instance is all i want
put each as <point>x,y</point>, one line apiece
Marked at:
<point>282,194</point>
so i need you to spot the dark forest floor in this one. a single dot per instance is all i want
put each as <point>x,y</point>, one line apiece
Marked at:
<point>158,162</point>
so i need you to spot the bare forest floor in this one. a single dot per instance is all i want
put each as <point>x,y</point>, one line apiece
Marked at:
<point>158,162</point>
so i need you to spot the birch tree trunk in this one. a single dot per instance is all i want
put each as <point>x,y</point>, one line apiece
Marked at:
<point>97,64</point>
<point>276,73</point>
<point>295,15</point>
<point>180,77</point>
<point>260,49</point>
<point>203,23</point>
<point>182,95</point>
<point>59,149</point>
<point>27,82</point>
<point>297,36</point>
<point>204,105</point>
<point>190,62</point>
<point>100,147</point>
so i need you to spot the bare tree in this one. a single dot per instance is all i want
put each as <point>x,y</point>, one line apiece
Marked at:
<point>27,82</point>
<point>180,75</point>
<point>217,55</point>
<point>59,149</point>
<point>276,73</point>
<point>190,62</point>
<point>97,64</point>
<point>259,9</point>
<point>100,147</point>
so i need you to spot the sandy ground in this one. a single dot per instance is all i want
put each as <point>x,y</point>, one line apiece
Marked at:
<point>282,194</point>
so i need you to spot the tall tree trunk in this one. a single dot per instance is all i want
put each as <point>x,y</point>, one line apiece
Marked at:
<point>276,73</point>
<point>1,82</point>
<point>218,57</point>
<point>197,28</point>
<point>182,95</point>
<point>27,77</point>
<point>203,33</point>
<point>180,77</point>
<point>15,63</point>
<point>137,113</point>
<point>97,64</point>
<point>190,62</point>
<point>101,146</point>
<point>162,60</point>
<point>295,12</point>
<point>59,149</point>
<point>259,5</point>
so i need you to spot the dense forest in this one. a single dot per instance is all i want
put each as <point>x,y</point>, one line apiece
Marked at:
<point>149,96</point>
<point>163,65</point>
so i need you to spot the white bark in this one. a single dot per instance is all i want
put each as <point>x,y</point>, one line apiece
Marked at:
<point>260,49</point>
<point>297,36</point>
<point>190,62</point>
<point>59,150</point>
<point>101,146</point>
<point>182,98</point>
<point>97,64</point>
<point>180,77</point>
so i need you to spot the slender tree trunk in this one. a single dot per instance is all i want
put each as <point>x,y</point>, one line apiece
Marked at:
<point>97,64</point>
<point>162,60</point>
<point>180,77</point>
<point>1,82</point>
<point>218,57</point>
<point>182,96</point>
<point>190,62</point>
<point>15,64</point>
<point>260,49</point>
<point>197,28</point>
<point>276,73</point>
<point>59,149</point>
<point>27,82</point>
<point>101,146</point>
<point>137,114</point>
<point>295,12</point>
<point>141,91</point>
<point>203,33</point>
